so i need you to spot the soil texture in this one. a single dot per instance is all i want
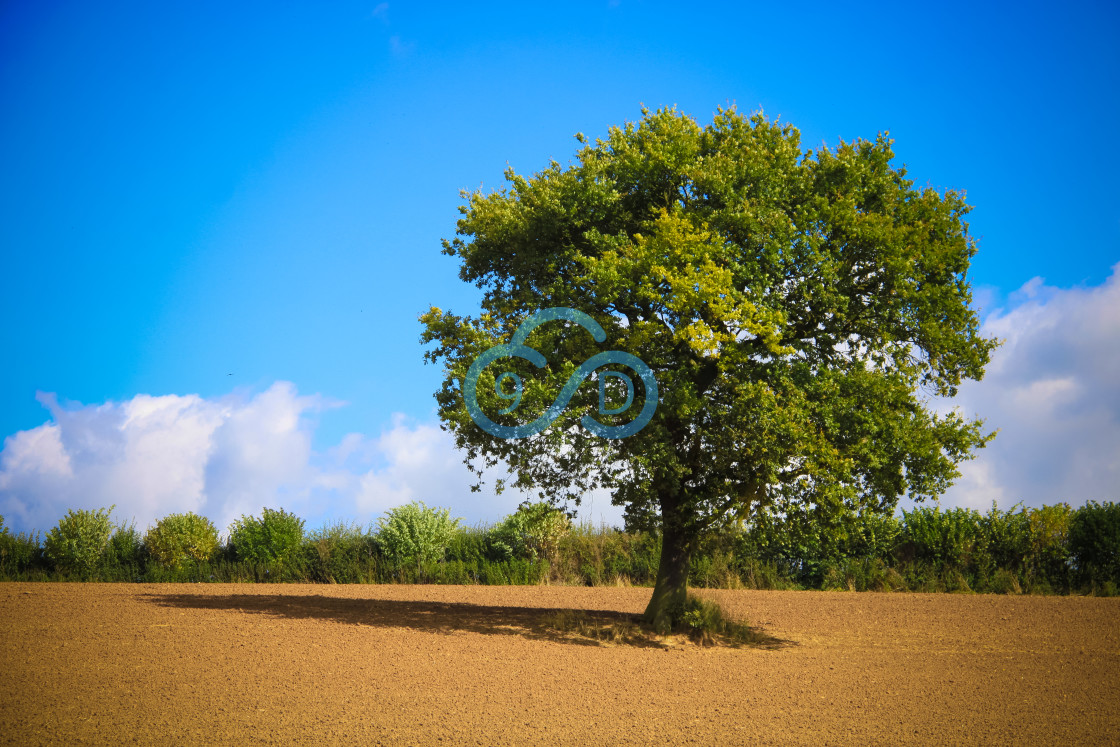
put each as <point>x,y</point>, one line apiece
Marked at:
<point>420,665</point>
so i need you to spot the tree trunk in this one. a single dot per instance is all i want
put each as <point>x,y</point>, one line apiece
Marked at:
<point>671,587</point>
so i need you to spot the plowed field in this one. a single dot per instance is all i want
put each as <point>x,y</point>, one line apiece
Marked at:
<point>250,664</point>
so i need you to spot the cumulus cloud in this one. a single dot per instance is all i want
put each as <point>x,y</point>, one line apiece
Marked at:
<point>1053,392</point>
<point>151,456</point>
<point>224,457</point>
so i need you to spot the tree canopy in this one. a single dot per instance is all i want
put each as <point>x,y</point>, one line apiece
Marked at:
<point>797,310</point>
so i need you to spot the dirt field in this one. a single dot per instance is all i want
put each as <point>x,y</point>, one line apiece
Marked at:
<point>226,664</point>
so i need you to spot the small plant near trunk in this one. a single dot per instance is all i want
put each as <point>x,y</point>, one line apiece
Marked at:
<point>705,623</point>
<point>700,620</point>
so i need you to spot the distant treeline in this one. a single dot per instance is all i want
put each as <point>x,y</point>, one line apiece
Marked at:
<point>1050,550</point>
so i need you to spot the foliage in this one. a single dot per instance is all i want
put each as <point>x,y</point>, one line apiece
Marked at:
<point>790,304</point>
<point>605,556</point>
<point>476,544</point>
<point>1006,539</point>
<point>339,553</point>
<point>78,542</point>
<point>704,621</point>
<point>18,552</point>
<point>1094,543</point>
<point>941,538</point>
<point>180,539</point>
<point>533,531</point>
<point>932,551</point>
<point>1048,560</point>
<point>126,547</point>
<point>803,542</point>
<point>273,538</point>
<point>414,533</point>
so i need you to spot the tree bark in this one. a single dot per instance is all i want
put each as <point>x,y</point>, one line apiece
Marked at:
<point>671,588</point>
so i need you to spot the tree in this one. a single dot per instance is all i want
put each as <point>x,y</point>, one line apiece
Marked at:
<point>795,309</point>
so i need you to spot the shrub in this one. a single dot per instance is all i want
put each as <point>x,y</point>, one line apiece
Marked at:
<point>79,541</point>
<point>1094,543</point>
<point>800,544</point>
<point>339,553</point>
<point>273,538</point>
<point>414,533</point>
<point>126,547</point>
<point>533,531</point>
<point>760,574</point>
<point>871,534</point>
<point>704,622</point>
<point>179,539</point>
<point>1004,582</point>
<point>472,545</point>
<point>943,538</point>
<point>714,569</point>
<point>1007,539</point>
<point>18,552</point>
<point>1047,561</point>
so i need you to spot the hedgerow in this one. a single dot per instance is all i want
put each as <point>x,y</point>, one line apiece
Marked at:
<point>1048,550</point>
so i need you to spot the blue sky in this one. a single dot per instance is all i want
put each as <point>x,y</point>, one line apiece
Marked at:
<point>243,203</point>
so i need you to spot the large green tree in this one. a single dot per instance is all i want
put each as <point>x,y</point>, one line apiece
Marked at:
<point>796,308</point>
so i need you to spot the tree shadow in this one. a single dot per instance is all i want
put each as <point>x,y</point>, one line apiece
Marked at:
<point>534,623</point>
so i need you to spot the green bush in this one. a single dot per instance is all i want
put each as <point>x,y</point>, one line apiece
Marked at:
<point>126,547</point>
<point>416,534</point>
<point>761,574</point>
<point>79,541</point>
<point>947,538</point>
<point>1004,582</point>
<point>703,620</point>
<point>533,531</point>
<point>274,538</point>
<point>871,534</point>
<point>1048,564</point>
<point>1094,543</point>
<point>799,544</point>
<point>793,541</point>
<point>472,545</point>
<point>180,539</point>
<point>340,553</point>
<point>18,552</point>
<point>1006,540</point>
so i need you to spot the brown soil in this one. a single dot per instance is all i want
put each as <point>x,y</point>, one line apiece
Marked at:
<point>237,664</point>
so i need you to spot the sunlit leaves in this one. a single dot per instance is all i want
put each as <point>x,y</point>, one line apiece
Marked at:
<point>790,305</point>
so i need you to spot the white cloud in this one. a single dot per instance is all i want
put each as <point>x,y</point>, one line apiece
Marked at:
<point>154,456</point>
<point>1053,390</point>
